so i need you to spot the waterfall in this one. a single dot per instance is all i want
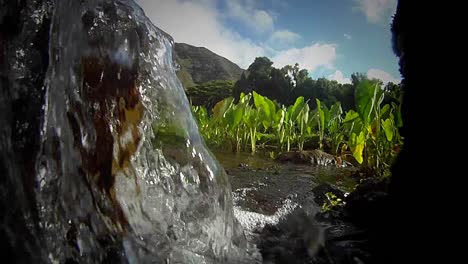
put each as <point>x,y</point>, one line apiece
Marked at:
<point>121,173</point>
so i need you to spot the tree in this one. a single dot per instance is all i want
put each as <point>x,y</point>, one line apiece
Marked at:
<point>209,93</point>
<point>358,77</point>
<point>299,75</point>
<point>241,86</point>
<point>259,70</point>
<point>280,86</point>
<point>257,79</point>
<point>393,93</point>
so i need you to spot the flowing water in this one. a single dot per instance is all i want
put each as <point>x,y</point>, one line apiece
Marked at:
<point>122,173</point>
<point>265,191</point>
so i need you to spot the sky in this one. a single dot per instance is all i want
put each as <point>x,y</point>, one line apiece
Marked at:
<point>329,38</point>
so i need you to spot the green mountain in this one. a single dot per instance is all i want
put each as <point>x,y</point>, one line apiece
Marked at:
<point>199,65</point>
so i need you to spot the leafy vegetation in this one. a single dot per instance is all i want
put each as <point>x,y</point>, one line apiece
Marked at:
<point>332,202</point>
<point>286,84</point>
<point>369,133</point>
<point>209,93</point>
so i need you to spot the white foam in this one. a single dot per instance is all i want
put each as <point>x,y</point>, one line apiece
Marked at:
<point>252,221</point>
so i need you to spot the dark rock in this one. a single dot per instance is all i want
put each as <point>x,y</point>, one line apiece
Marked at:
<point>366,204</point>
<point>315,157</point>
<point>24,61</point>
<point>323,188</point>
<point>295,239</point>
<point>74,76</point>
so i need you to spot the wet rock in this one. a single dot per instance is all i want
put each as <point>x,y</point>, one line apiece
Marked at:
<point>24,60</point>
<point>314,157</point>
<point>295,239</point>
<point>101,160</point>
<point>367,203</point>
<point>321,190</point>
<point>352,231</point>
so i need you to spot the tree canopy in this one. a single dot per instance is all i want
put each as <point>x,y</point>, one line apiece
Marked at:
<point>285,84</point>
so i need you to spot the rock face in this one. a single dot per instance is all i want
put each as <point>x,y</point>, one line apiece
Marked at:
<point>199,65</point>
<point>101,160</point>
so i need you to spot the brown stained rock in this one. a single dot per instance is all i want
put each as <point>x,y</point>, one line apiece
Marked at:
<point>110,88</point>
<point>309,157</point>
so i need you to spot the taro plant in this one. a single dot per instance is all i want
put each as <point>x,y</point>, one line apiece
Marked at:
<point>233,117</point>
<point>335,127</point>
<point>370,131</point>
<point>368,144</point>
<point>303,120</point>
<point>329,123</point>
<point>292,115</point>
<point>322,113</point>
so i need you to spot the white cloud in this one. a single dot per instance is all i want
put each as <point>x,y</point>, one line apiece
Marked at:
<point>197,23</point>
<point>376,10</point>
<point>257,19</point>
<point>310,57</point>
<point>262,20</point>
<point>338,76</point>
<point>347,36</point>
<point>382,75</point>
<point>284,37</point>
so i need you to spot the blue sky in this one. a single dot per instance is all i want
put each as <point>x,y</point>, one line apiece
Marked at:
<point>330,38</point>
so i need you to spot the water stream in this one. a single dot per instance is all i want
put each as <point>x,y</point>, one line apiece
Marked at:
<point>122,171</point>
<point>266,191</point>
<point>115,170</point>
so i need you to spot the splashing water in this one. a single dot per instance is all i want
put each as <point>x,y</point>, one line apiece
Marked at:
<point>122,174</point>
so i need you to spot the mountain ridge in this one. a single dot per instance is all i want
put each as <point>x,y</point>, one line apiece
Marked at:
<point>199,65</point>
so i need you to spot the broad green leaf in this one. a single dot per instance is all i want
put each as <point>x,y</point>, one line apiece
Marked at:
<point>305,114</point>
<point>312,123</point>
<point>336,110</point>
<point>373,129</point>
<point>398,118</point>
<point>288,115</point>
<point>272,107</point>
<point>229,116</point>
<point>233,115</point>
<point>321,115</point>
<point>388,128</point>
<point>266,124</point>
<point>259,102</point>
<point>350,116</point>
<point>238,113</point>
<point>241,97</point>
<point>357,146</point>
<point>366,96</point>
<point>385,111</point>
<point>279,117</point>
<point>220,107</point>
<point>250,118</point>
<point>265,109</point>
<point>245,98</point>
<point>326,115</point>
<point>296,108</point>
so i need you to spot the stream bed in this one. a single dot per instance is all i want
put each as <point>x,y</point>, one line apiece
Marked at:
<point>264,191</point>
<point>280,208</point>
